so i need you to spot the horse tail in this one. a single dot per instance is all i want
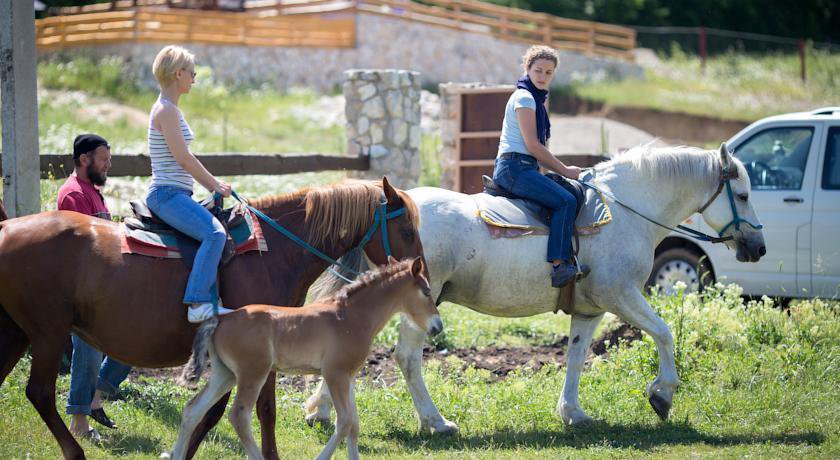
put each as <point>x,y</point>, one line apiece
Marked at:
<point>198,359</point>
<point>329,283</point>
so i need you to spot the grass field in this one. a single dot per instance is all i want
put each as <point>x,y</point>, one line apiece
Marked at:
<point>734,85</point>
<point>756,382</point>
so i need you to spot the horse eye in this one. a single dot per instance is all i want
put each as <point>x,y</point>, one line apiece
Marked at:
<point>743,197</point>
<point>407,234</point>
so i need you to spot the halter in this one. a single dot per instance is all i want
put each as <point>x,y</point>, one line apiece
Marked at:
<point>726,176</point>
<point>380,219</point>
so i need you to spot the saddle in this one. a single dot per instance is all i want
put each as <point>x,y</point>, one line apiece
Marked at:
<point>570,185</point>
<point>145,220</point>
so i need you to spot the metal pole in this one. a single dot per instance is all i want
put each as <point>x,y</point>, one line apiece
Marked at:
<point>19,108</point>
<point>802,60</point>
<point>701,47</point>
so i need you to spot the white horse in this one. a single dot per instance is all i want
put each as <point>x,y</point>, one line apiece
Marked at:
<point>510,277</point>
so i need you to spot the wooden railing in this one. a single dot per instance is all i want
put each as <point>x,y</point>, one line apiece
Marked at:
<point>586,37</point>
<point>147,24</point>
<point>314,23</point>
<point>225,164</point>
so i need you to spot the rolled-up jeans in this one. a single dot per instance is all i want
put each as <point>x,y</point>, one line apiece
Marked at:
<point>176,207</point>
<point>519,174</point>
<point>84,365</point>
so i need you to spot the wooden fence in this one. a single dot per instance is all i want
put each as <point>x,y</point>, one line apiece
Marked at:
<point>228,164</point>
<point>149,24</point>
<point>514,24</point>
<point>320,23</point>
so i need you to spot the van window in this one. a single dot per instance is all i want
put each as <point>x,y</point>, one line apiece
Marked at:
<point>831,168</point>
<point>775,158</point>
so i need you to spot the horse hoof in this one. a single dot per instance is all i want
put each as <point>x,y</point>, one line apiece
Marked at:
<point>581,420</point>
<point>313,419</point>
<point>165,455</point>
<point>660,406</point>
<point>444,428</point>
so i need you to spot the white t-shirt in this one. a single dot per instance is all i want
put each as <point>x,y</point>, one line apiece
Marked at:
<point>511,139</point>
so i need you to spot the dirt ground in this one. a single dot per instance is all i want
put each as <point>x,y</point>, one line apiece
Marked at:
<point>381,367</point>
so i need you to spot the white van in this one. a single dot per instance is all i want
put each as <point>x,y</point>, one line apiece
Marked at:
<point>794,166</point>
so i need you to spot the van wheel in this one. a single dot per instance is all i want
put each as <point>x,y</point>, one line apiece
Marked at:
<point>680,264</point>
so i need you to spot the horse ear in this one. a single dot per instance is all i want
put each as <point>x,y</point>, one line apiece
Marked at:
<point>392,260</point>
<point>390,193</point>
<point>416,266</point>
<point>725,157</point>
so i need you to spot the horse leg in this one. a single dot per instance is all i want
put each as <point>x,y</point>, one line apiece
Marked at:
<point>581,336</point>
<point>221,381</point>
<point>340,389</point>
<point>248,385</point>
<point>353,435</point>
<point>267,415</point>
<point>318,405</point>
<point>13,343</point>
<point>410,358</point>
<point>46,359</point>
<point>635,310</point>
<point>211,418</point>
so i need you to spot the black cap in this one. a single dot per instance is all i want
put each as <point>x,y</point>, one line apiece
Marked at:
<point>85,143</point>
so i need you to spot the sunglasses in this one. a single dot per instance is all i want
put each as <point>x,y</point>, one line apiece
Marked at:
<point>192,73</point>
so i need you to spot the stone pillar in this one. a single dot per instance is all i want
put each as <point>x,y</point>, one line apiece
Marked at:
<point>383,121</point>
<point>20,162</point>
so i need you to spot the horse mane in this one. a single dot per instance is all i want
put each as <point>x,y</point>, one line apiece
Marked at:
<point>343,211</point>
<point>3,215</point>
<point>671,163</point>
<point>372,277</point>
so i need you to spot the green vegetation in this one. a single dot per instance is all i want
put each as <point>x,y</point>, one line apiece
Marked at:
<point>756,381</point>
<point>734,86</point>
<point>224,120</point>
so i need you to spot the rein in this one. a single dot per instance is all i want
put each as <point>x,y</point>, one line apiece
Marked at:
<point>726,176</point>
<point>380,219</point>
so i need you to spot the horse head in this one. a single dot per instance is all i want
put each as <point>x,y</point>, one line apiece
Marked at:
<point>418,305</point>
<point>730,212</point>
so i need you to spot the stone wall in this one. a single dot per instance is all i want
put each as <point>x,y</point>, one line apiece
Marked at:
<point>383,120</point>
<point>440,54</point>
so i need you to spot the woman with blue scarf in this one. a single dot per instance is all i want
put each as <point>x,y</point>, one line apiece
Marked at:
<point>523,148</point>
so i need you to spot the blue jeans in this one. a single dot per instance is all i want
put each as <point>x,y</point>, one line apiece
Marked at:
<point>84,365</point>
<point>521,176</point>
<point>177,208</point>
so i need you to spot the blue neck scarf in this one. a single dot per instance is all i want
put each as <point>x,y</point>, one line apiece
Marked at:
<point>543,123</point>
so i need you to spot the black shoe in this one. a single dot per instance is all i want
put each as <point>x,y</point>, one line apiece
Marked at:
<point>102,418</point>
<point>113,397</point>
<point>562,274</point>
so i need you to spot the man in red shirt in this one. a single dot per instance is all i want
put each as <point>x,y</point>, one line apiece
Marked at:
<point>80,193</point>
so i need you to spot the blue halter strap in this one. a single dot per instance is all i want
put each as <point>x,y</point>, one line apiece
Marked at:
<point>381,218</point>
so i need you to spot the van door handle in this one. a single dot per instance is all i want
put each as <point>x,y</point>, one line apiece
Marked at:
<point>793,199</point>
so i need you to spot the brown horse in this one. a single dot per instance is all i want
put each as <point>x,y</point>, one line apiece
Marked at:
<point>331,337</point>
<point>63,271</point>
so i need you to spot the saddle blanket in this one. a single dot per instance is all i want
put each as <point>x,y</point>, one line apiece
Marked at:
<point>511,218</point>
<point>246,237</point>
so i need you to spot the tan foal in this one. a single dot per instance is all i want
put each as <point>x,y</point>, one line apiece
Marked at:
<point>331,337</point>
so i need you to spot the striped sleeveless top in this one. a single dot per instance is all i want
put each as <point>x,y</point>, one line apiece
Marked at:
<point>165,170</point>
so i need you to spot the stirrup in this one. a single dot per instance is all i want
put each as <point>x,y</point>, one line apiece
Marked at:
<point>582,269</point>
